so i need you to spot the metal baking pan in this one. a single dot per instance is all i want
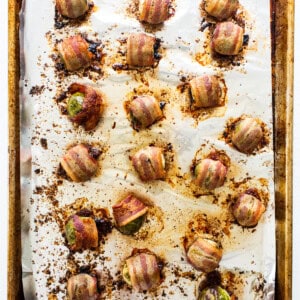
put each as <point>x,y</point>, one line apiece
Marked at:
<point>282,24</point>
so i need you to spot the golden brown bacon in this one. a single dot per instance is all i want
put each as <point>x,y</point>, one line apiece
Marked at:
<point>149,163</point>
<point>247,135</point>
<point>74,52</point>
<point>81,233</point>
<point>210,174</point>
<point>248,210</point>
<point>91,107</point>
<point>72,8</point>
<point>140,50</point>
<point>154,11</point>
<point>128,210</point>
<point>221,9</point>
<point>143,271</point>
<point>82,287</point>
<point>144,111</point>
<point>227,38</point>
<point>204,254</point>
<point>206,91</point>
<point>79,164</point>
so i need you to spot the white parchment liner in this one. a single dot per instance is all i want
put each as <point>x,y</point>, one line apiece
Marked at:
<point>249,91</point>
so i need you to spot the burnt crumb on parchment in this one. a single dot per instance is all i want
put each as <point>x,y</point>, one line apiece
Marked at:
<point>44,143</point>
<point>37,90</point>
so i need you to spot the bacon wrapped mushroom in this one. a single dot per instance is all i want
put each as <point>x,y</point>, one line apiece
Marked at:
<point>72,8</point>
<point>79,163</point>
<point>144,111</point>
<point>142,271</point>
<point>210,174</point>
<point>85,105</point>
<point>129,214</point>
<point>204,254</point>
<point>227,38</point>
<point>149,163</point>
<point>82,287</point>
<point>248,210</point>
<point>221,9</point>
<point>206,91</point>
<point>247,135</point>
<point>81,233</point>
<point>74,52</point>
<point>154,11</point>
<point>140,50</point>
<point>214,293</point>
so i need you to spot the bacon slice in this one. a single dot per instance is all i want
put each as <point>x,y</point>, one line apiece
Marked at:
<point>91,107</point>
<point>204,254</point>
<point>143,271</point>
<point>75,53</point>
<point>82,287</point>
<point>79,164</point>
<point>128,210</point>
<point>227,38</point>
<point>140,50</point>
<point>221,9</point>
<point>72,8</point>
<point>146,110</point>
<point>149,163</point>
<point>248,210</point>
<point>210,174</point>
<point>154,11</point>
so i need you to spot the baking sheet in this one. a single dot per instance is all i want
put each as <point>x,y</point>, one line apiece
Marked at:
<point>253,251</point>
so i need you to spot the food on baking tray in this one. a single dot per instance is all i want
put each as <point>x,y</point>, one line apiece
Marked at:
<point>206,91</point>
<point>82,287</point>
<point>81,233</point>
<point>248,210</point>
<point>129,214</point>
<point>204,254</point>
<point>227,38</point>
<point>247,135</point>
<point>149,163</point>
<point>80,162</point>
<point>142,270</point>
<point>84,105</point>
<point>221,9</point>
<point>214,293</point>
<point>154,11</point>
<point>210,173</point>
<point>74,52</point>
<point>141,49</point>
<point>72,8</point>
<point>144,111</point>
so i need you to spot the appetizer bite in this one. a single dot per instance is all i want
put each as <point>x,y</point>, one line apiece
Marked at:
<point>142,270</point>
<point>144,111</point>
<point>206,91</point>
<point>141,49</point>
<point>248,210</point>
<point>74,53</point>
<point>80,162</point>
<point>227,38</point>
<point>221,9</point>
<point>149,163</point>
<point>214,293</point>
<point>84,106</point>
<point>81,233</point>
<point>72,8</point>
<point>82,287</point>
<point>129,214</point>
<point>204,254</point>
<point>154,11</point>
<point>247,135</point>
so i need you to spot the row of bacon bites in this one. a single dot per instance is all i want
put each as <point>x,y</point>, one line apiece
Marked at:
<point>143,269</point>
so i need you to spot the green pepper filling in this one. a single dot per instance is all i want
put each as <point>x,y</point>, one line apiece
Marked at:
<point>126,275</point>
<point>75,104</point>
<point>133,226</point>
<point>70,233</point>
<point>214,293</point>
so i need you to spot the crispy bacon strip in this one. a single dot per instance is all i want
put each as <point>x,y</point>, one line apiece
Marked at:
<point>154,11</point>
<point>221,9</point>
